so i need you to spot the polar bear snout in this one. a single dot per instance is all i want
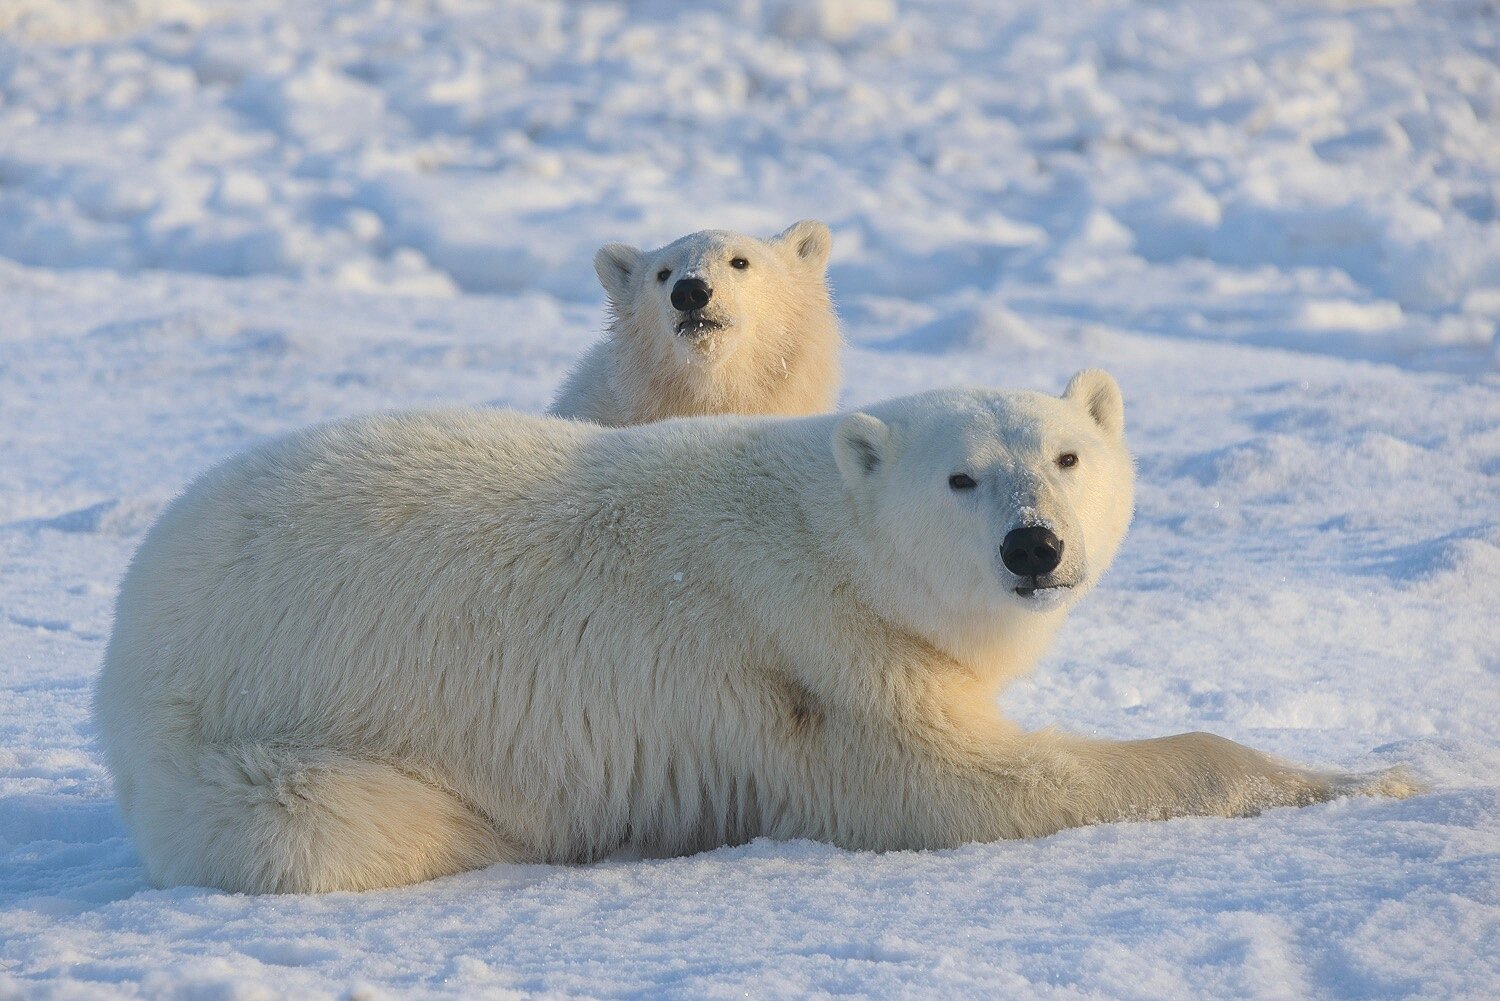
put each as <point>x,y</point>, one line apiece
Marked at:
<point>690,294</point>
<point>1032,551</point>
<point>1044,563</point>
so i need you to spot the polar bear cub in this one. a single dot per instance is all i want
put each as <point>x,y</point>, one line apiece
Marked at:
<point>391,648</point>
<point>714,323</point>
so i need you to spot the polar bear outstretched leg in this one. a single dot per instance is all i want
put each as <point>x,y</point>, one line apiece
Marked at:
<point>1059,781</point>
<point>261,818</point>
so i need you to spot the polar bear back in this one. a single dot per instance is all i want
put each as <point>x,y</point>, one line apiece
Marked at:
<point>474,593</point>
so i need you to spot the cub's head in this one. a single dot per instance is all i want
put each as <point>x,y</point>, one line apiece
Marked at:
<point>984,504</point>
<point>708,294</point>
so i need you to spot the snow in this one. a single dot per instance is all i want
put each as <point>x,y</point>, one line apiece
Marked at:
<point>1274,222</point>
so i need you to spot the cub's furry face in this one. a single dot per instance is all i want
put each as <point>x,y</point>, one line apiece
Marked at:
<point>707,295</point>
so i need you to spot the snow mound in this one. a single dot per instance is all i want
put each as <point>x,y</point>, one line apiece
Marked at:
<point>486,148</point>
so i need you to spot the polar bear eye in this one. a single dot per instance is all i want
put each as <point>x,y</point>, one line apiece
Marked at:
<point>962,481</point>
<point>739,263</point>
<point>1067,460</point>
<point>664,274</point>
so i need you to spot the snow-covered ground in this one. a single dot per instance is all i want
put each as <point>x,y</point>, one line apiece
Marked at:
<point>1276,223</point>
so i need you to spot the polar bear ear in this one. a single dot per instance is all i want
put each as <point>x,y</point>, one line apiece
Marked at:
<point>859,446</point>
<point>615,263</point>
<point>1097,392</point>
<point>808,242</point>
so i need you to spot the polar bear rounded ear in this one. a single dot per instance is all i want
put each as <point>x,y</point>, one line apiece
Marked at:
<point>859,446</point>
<point>808,242</point>
<point>1097,392</point>
<point>615,263</point>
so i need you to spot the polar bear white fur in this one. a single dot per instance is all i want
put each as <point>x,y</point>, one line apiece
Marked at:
<point>397,647</point>
<point>765,342</point>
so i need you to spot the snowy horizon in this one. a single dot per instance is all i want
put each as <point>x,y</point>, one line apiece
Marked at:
<point>1275,223</point>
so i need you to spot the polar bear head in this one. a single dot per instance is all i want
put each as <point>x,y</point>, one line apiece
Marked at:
<point>982,506</point>
<point>706,297</point>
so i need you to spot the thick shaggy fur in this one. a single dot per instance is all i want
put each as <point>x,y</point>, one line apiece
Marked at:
<point>775,352</point>
<point>397,647</point>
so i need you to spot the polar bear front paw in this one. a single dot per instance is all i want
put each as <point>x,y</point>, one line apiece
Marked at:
<point>1396,783</point>
<point>1234,780</point>
<point>1292,786</point>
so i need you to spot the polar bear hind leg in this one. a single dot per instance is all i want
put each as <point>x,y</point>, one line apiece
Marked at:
<point>262,818</point>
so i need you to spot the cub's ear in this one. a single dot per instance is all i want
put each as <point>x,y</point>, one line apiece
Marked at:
<point>1096,391</point>
<point>859,447</point>
<point>808,243</point>
<point>615,263</point>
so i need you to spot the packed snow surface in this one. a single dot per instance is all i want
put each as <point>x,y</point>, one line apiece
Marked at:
<point>1274,222</point>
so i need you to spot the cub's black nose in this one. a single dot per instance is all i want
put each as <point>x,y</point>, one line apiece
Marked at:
<point>1031,552</point>
<point>691,293</point>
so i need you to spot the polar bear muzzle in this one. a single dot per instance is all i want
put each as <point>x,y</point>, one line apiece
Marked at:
<point>1032,551</point>
<point>691,294</point>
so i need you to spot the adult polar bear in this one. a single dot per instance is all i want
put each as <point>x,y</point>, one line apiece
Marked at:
<point>713,323</point>
<point>397,647</point>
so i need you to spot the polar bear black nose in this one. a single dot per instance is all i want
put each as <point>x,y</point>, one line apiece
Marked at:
<point>691,293</point>
<point>1031,551</point>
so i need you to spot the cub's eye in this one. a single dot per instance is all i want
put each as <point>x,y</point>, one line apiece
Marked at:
<point>1067,460</point>
<point>664,274</point>
<point>739,263</point>
<point>962,481</point>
